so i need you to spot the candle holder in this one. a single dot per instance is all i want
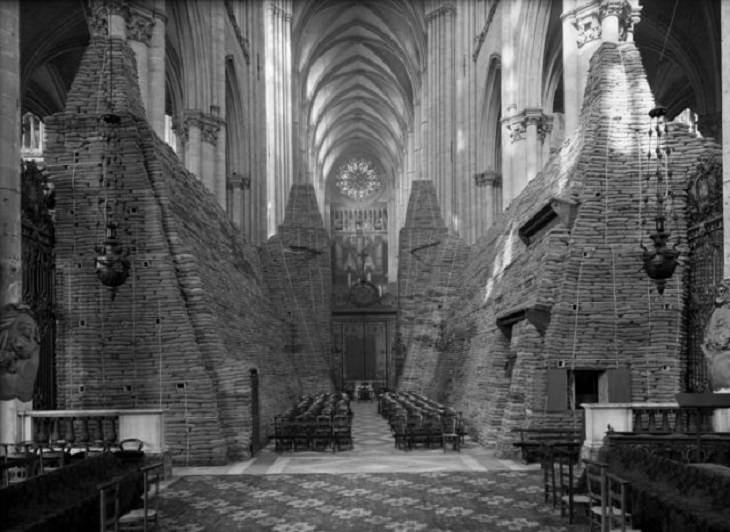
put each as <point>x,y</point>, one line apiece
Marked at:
<point>660,262</point>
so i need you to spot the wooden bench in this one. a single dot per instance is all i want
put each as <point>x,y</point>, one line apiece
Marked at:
<point>711,447</point>
<point>63,499</point>
<point>533,442</point>
<point>118,509</point>
<point>671,495</point>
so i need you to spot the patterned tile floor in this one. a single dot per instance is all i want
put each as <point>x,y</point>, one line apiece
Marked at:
<point>374,451</point>
<point>372,487</point>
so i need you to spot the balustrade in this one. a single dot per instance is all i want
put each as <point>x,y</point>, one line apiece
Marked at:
<point>93,430</point>
<point>645,418</point>
<point>658,419</point>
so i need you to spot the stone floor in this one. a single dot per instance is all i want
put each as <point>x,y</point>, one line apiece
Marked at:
<point>374,451</point>
<point>372,487</point>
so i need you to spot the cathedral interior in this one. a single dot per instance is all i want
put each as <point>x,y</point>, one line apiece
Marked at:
<point>210,209</point>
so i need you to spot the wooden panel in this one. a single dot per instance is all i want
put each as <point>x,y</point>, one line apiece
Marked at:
<point>369,356</point>
<point>619,385</point>
<point>557,390</point>
<point>354,367</point>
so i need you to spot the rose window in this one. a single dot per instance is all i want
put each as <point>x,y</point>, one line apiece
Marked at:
<point>357,179</point>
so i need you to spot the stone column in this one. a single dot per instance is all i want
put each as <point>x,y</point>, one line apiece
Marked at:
<point>581,37</point>
<point>725,46</point>
<point>157,81</point>
<point>218,107</point>
<point>11,275</point>
<point>235,189</point>
<point>610,13</point>
<point>140,25</point>
<point>487,185</point>
<point>515,169</point>
<point>440,107</point>
<point>585,26</point>
<point>277,76</point>
<point>526,133</point>
<point>191,125</point>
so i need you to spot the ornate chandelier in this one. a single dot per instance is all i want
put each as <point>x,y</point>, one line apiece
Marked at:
<point>660,262</point>
<point>357,179</point>
<point>112,265</point>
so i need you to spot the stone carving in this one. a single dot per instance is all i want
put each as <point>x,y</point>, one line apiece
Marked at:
<point>543,123</point>
<point>517,129</point>
<point>589,29</point>
<point>139,27</point>
<point>19,352</point>
<point>704,191</point>
<point>517,124</point>
<point>716,343</point>
<point>489,177</point>
<point>98,15</point>
<point>208,124</point>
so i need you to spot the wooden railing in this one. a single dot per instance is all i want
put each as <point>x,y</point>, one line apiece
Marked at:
<point>659,419</point>
<point>645,418</point>
<point>94,428</point>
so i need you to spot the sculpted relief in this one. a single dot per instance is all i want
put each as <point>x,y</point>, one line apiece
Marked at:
<point>716,344</point>
<point>19,352</point>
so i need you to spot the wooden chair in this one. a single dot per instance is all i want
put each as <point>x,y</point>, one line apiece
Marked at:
<point>609,499</point>
<point>617,513</point>
<point>547,465</point>
<point>18,462</point>
<point>113,497</point>
<point>322,436</point>
<point>565,461</point>
<point>596,490</point>
<point>342,431</point>
<point>449,432</point>
<point>398,426</point>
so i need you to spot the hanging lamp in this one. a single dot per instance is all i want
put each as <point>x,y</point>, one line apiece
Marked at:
<point>112,265</point>
<point>660,262</point>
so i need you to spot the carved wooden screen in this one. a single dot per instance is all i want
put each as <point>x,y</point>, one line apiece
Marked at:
<point>705,237</point>
<point>38,277</point>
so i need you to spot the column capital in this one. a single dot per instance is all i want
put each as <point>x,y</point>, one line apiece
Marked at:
<point>139,26</point>
<point>208,124</point>
<point>277,9</point>
<point>99,13</point>
<point>588,26</point>
<point>517,124</point>
<point>488,178</point>
<point>628,15</point>
<point>447,8</point>
<point>180,129</point>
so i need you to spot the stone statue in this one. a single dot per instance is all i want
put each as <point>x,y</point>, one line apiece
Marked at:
<point>19,352</point>
<point>716,343</point>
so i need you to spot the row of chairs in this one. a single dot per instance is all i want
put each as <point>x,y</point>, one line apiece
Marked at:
<point>603,497</point>
<point>315,423</point>
<point>416,420</point>
<point>20,461</point>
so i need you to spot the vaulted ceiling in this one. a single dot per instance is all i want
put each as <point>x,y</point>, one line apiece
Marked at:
<point>359,65</point>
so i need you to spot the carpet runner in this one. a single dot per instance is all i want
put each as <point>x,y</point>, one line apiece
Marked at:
<point>407,502</point>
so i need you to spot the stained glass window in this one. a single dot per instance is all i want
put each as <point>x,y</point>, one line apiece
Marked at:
<point>357,179</point>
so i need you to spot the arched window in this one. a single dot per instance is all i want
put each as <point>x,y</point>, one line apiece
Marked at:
<point>32,137</point>
<point>170,136</point>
